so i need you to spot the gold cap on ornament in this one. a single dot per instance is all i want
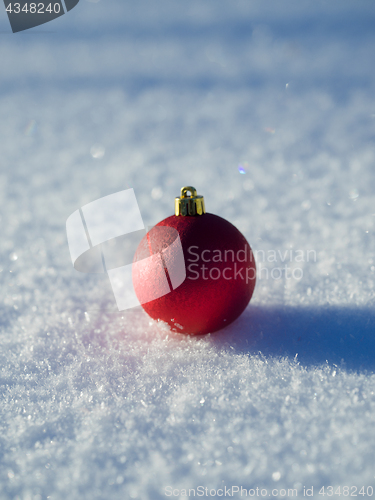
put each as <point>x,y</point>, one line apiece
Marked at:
<point>189,204</point>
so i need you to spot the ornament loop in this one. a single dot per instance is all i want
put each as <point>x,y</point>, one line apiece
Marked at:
<point>188,189</point>
<point>189,205</point>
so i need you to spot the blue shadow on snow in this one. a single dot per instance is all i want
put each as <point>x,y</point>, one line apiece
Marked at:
<point>344,336</point>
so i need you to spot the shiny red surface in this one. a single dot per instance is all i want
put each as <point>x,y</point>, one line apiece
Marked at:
<point>203,303</point>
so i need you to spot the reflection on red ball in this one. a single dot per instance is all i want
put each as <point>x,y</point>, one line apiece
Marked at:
<point>220,274</point>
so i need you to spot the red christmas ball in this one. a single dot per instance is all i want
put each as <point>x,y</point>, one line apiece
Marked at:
<point>219,265</point>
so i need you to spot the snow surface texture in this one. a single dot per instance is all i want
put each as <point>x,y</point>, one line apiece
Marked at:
<point>154,96</point>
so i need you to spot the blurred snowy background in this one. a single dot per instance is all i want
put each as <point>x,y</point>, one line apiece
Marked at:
<point>268,109</point>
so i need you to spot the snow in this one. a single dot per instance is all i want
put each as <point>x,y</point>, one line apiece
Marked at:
<point>97,404</point>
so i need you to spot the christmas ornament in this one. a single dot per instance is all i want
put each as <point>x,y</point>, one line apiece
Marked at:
<point>219,265</point>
